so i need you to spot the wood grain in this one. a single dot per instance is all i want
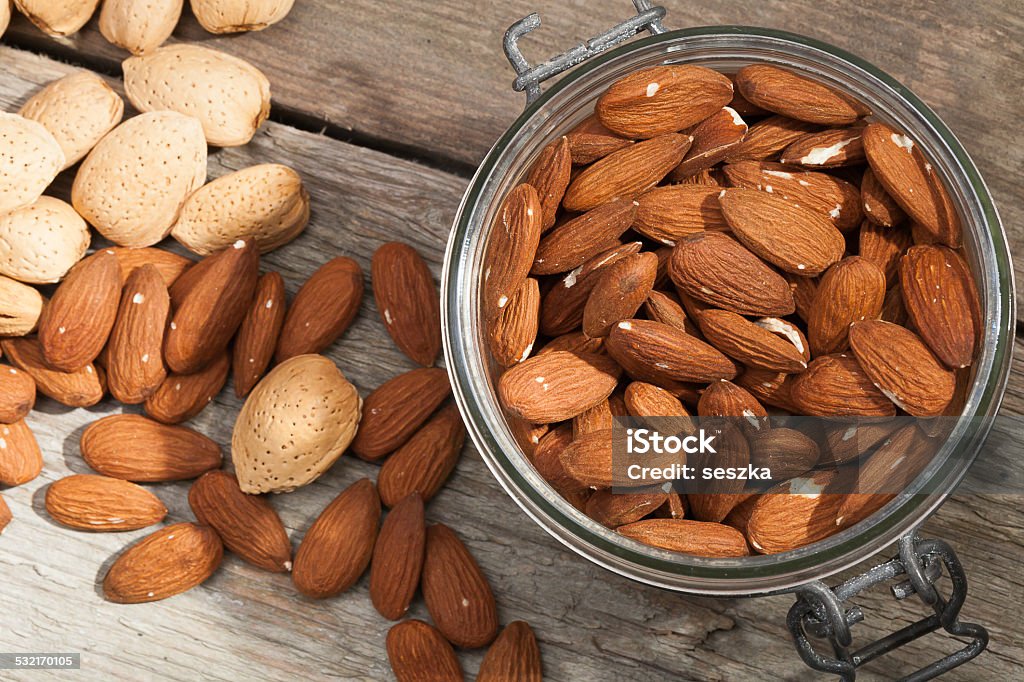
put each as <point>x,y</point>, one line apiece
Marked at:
<point>592,625</point>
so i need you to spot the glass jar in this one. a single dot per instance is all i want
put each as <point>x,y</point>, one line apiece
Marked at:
<point>727,49</point>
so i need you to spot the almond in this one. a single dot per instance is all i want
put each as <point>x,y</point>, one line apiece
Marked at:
<point>668,214</point>
<point>883,246</point>
<point>32,159</point>
<point>701,538</point>
<point>316,413</point>
<point>398,558</point>
<point>322,310</point>
<point>827,149</point>
<point>57,17</point>
<point>794,514</point>
<point>337,548</point>
<point>784,92</point>
<point>879,207</point>
<point>419,653</point>
<point>76,389</point>
<point>229,96</point>
<point>596,418</point>
<point>397,409</point>
<point>715,507</point>
<point>726,399</point>
<point>170,561</point>
<point>768,387</point>
<point>620,291</point>
<point>78,110</point>
<point>902,367</point>
<point>713,139</point>
<point>102,504</point>
<point>588,461</point>
<point>514,331</point>
<point>5,511</point>
<point>852,290</point>
<point>514,656</point>
<point>557,386</point>
<point>893,309</point>
<point>266,203</point>
<point>590,141</point>
<point>134,359</point>
<point>626,173</point>
<point>425,461</point>
<point>233,16</point>
<point>511,247</point>
<point>456,592</point>
<point>938,292</point>
<point>20,457</point>
<point>134,448</point>
<point>750,343</point>
<point>902,169</point>
<point>41,242</point>
<point>183,396</point>
<point>716,269</point>
<point>17,394</point>
<point>767,138</point>
<point>408,302</point>
<point>786,452</point>
<point>617,509</point>
<point>643,347</point>
<point>645,401</point>
<point>836,386</point>
<point>796,240</point>
<point>169,265</point>
<point>258,334</point>
<point>248,524</point>
<point>207,316</point>
<point>550,177</point>
<point>133,183</point>
<point>804,290</point>
<point>20,308</point>
<point>139,28</point>
<point>662,99</point>
<point>575,241</point>
<point>847,442</point>
<point>665,308</point>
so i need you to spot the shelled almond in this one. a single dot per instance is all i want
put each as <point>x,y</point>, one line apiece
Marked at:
<point>708,261</point>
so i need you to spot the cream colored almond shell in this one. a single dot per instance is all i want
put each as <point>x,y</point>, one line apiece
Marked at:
<point>234,16</point>
<point>139,26</point>
<point>78,110</point>
<point>30,158</point>
<point>266,202</point>
<point>133,183</point>
<point>230,96</point>
<point>294,425</point>
<point>40,243</point>
<point>58,17</point>
<point>20,306</point>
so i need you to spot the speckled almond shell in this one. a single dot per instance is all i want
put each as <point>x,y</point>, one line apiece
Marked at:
<point>139,26</point>
<point>230,96</point>
<point>20,306</point>
<point>295,424</point>
<point>78,110</point>
<point>265,202</point>
<point>40,243</point>
<point>58,17</point>
<point>233,16</point>
<point>133,183</point>
<point>30,159</point>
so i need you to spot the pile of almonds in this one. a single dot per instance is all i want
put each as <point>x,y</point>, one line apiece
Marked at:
<point>730,246</point>
<point>147,326</point>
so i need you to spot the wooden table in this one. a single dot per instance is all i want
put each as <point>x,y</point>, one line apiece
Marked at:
<point>385,108</point>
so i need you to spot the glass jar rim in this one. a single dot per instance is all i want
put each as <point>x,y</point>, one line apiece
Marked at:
<point>750,575</point>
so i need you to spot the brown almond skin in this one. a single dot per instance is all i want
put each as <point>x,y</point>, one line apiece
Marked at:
<point>83,388</point>
<point>5,514</point>
<point>76,322</point>
<point>323,309</point>
<point>168,562</point>
<point>425,461</point>
<point>781,520</point>
<point>20,458</point>
<point>801,151</point>
<point>587,460</point>
<point>672,212</point>
<point>398,558</point>
<point>575,382</point>
<point>786,452</point>
<point>784,92</point>
<point>338,546</point>
<point>408,301</point>
<point>17,394</point>
<point>726,399</point>
<point>884,246</point>
<point>713,138</point>
<point>836,386</point>
<point>590,141</point>
<point>248,524</point>
<point>750,344</point>
<point>419,653</point>
<point>616,509</point>
<point>397,409</point>
<point>513,657</point>
<point>879,207</point>
<point>257,336</point>
<point>852,290</point>
<point>134,355</point>
<point>621,290</point>
<point>575,241</point>
<point>183,396</point>
<point>550,176</point>
<point>654,347</point>
<point>511,247</point>
<point>102,504</point>
<point>701,538</point>
<point>938,292</point>
<point>513,332</point>
<point>138,449</point>
<point>768,137</point>
<point>456,592</point>
<point>169,265</point>
<point>209,314</point>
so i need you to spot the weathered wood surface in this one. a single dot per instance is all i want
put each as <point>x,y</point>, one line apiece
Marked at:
<point>244,624</point>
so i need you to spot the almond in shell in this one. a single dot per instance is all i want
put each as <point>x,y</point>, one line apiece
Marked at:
<point>41,242</point>
<point>57,17</point>
<point>32,158</point>
<point>20,307</point>
<point>234,16</point>
<point>139,28</point>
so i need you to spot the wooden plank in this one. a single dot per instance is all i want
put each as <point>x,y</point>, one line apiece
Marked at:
<point>246,624</point>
